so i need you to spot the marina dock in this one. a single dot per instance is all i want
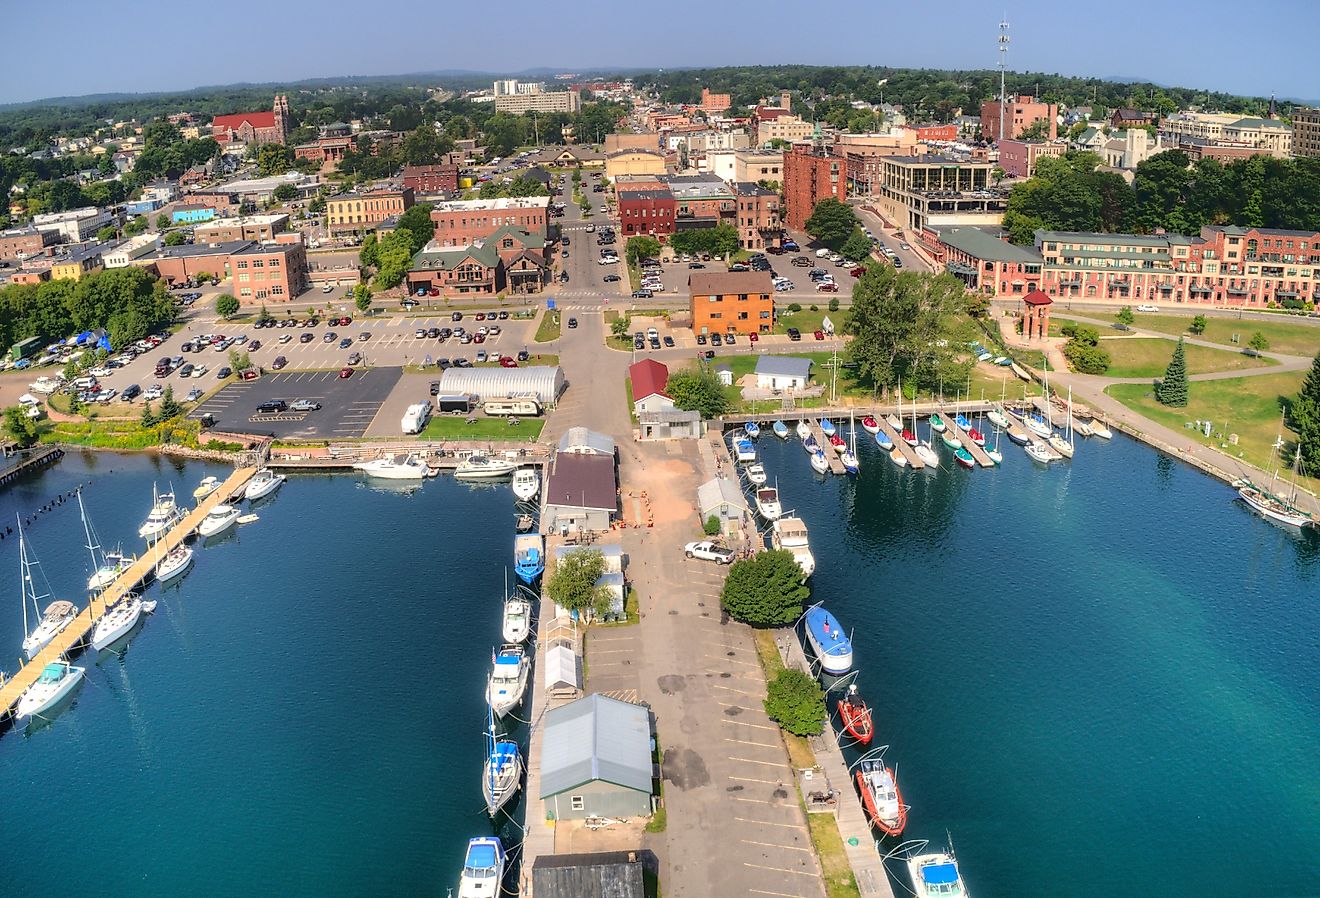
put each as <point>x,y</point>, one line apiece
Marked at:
<point>831,456</point>
<point>80,628</point>
<point>914,461</point>
<point>34,459</point>
<point>976,451</point>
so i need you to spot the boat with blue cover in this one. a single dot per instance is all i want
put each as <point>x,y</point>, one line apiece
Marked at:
<point>811,445</point>
<point>826,426</point>
<point>883,441</point>
<point>961,420</point>
<point>936,875</point>
<point>832,646</point>
<point>483,868</point>
<point>508,679</point>
<point>780,429</point>
<point>744,450</point>
<point>502,774</point>
<point>752,429</point>
<point>528,557</point>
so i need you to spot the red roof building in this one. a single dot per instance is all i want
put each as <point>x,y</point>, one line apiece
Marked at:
<point>253,127</point>
<point>649,378</point>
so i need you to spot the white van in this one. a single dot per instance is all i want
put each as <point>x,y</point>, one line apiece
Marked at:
<point>822,252</point>
<point>525,406</point>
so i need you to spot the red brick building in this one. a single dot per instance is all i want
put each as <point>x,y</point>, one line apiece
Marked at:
<point>711,103</point>
<point>224,204</point>
<point>649,212</point>
<point>265,272</point>
<point>811,174</point>
<point>933,131</point>
<point>327,152</point>
<point>25,242</point>
<point>253,127</point>
<point>1018,157</point>
<point>1019,114</point>
<point>431,178</point>
<point>463,222</point>
<point>759,224</point>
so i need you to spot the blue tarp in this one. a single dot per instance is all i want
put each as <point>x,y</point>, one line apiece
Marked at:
<point>507,659</point>
<point>940,874</point>
<point>84,337</point>
<point>104,342</point>
<point>480,855</point>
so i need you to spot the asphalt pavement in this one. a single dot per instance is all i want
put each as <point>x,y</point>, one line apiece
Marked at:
<point>348,405</point>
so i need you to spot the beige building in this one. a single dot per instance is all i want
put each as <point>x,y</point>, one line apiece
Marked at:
<point>556,101</point>
<point>634,162</point>
<point>1274,136</point>
<point>1129,148</point>
<point>922,191</point>
<point>758,165</point>
<point>786,127</point>
<point>1306,132</point>
<point>647,140</point>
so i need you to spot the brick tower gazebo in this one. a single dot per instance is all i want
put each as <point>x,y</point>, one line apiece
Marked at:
<point>1036,315</point>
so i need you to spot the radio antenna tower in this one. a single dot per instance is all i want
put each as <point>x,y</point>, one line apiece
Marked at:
<point>1003,66</point>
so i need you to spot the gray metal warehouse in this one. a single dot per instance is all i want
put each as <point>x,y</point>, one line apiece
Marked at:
<point>596,759</point>
<point>545,382</point>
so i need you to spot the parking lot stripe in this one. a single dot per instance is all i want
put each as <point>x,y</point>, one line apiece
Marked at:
<point>748,779</point>
<point>752,742</point>
<point>780,894</point>
<point>797,826</point>
<point>759,726</point>
<point>780,764</point>
<point>780,869</point>
<point>774,845</point>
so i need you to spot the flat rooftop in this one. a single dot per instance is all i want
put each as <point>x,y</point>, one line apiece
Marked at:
<point>508,202</point>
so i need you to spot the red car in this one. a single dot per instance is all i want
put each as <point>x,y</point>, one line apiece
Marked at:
<point>478,338</point>
<point>820,335</point>
<point>753,336</point>
<point>346,321</point>
<point>434,291</point>
<point>345,372</point>
<point>858,271</point>
<point>827,287</point>
<point>508,362</point>
<point>481,316</point>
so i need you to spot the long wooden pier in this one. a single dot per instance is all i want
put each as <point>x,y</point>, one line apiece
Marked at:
<point>977,453</point>
<point>831,454</point>
<point>78,630</point>
<point>33,459</point>
<point>913,460</point>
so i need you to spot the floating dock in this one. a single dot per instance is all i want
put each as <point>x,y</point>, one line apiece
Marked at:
<point>831,454</point>
<point>913,460</point>
<point>977,453</point>
<point>77,631</point>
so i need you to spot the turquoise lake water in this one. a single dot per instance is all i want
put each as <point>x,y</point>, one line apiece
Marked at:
<point>1100,678</point>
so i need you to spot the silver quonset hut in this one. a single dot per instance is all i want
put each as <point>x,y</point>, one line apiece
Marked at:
<point>545,382</point>
<point>596,759</point>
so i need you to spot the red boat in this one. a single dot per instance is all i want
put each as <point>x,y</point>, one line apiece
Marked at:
<point>870,425</point>
<point>909,437</point>
<point>838,442</point>
<point>977,437</point>
<point>856,716</point>
<point>880,795</point>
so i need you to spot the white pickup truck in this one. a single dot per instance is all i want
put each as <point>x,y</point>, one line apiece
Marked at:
<point>708,551</point>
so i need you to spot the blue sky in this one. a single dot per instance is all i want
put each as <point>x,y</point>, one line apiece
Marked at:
<point>107,47</point>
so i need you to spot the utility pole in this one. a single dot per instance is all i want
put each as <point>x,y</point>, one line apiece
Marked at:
<point>1003,61</point>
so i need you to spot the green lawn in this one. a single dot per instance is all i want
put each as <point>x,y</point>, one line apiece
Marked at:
<point>1058,324</point>
<point>455,427</point>
<point>548,329</point>
<point>808,321</point>
<point>1149,356</point>
<point>1291,337</point>
<point>1251,407</point>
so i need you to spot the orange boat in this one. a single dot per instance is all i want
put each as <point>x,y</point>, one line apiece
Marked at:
<point>856,716</point>
<point>880,795</point>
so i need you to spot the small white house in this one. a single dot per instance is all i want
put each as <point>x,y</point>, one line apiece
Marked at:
<point>649,379</point>
<point>781,372</point>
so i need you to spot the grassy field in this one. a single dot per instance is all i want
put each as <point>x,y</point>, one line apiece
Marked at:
<point>1149,356</point>
<point>1251,407</point>
<point>1291,337</point>
<point>548,329</point>
<point>455,427</point>
<point>809,322</point>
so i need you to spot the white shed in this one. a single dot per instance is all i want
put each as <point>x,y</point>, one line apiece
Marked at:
<point>782,372</point>
<point>545,382</point>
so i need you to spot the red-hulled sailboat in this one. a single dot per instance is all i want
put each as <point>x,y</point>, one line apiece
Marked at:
<point>856,716</point>
<point>977,437</point>
<point>838,442</point>
<point>871,425</point>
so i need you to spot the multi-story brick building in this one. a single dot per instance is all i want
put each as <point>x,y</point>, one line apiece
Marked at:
<point>649,212</point>
<point>713,103</point>
<point>1019,114</point>
<point>1306,132</point>
<point>224,202</point>
<point>932,131</point>
<point>247,227</point>
<point>475,269</point>
<point>811,174</point>
<point>701,201</point>
<point>463,222</point>
<point>1018,157</point>
<point>864,153</point>
<point>738,302</point>
<point>916,191</point>
<point>20,243</point>
<point>427,179</point>
<point>983,260</point>
<point>788,128</point>
<point>326,152</point>
<point>186,261</point>
<point>361,212</point>
<point>759,224</point>
<point>253,127</point>
<point>269,271</point>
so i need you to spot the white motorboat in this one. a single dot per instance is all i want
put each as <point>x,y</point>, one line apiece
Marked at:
<point>57,680</point>
<point>526,484</point>
<point>803,430</point>
<point>819,463</point>
<point>117,621</point>
<point>1082,426</point>
<point>756,474</point>
<point>767,503</point>
<point>935,875</point>
<point>479,466</point>
<point>248,519</point>
<point>508,679</point>
<point>175,563</point>
<point>790,535</point>
<point>1041,452</point>
<point>517,620</point>
<point>218,520</point>
<point>394,467</point>
<point>108,572</point>
<point>832,646</point>
<point>164,513</point>
<point>483,868</point>
<point>208,486</point>
<point>263,483</point>
<point>744,450</point>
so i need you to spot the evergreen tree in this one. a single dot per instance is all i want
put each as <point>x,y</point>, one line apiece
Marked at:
<point>1304,417</point>
<point>1172,390</point>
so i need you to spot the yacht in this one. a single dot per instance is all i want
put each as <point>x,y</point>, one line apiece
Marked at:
<point>120,618</point>
<point>218,520</point>
<point>935,875</point>
<point>264,483</point>
<point>528,557</point>
<point>57,680</point>
<point>756,474</point>
<point>483,868</point>
<point>163,515</point>
<point>108,572</point>
<point>744,450</point>
<point>832,646</point>
<point>502,772</point>
<point>479,466</point>
<point>394,467</point>
<point>517,620</point>
<point>175,563</point>
<point>508,679</point>
<point>767,503</point>
<point>208,486</point>
<point>526,484</point>
<point>57,616</point>
<point>790,534</point>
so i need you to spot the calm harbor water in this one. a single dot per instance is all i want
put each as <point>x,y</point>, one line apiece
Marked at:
<point>302,715</point>
<point>1100,678</point>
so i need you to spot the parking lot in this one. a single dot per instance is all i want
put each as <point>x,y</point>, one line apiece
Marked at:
<point>348,405</point>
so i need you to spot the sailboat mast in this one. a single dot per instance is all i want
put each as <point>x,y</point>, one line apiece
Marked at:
<point>87,530</point>
<point>24,578</point>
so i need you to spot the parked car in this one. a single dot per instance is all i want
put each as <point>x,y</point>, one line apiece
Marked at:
<point>223,373</point>
<point>305,405</point>
<point>820,335</point>
<point>701,339</point>
<point>330,337</point>
<point>1148,308</point>
<point>193,395</point>
<point>827,287</point>
<point>131,392</point>
<point>611,278</point>
<point>346,342</point>
<point>669,341</point>
<point>279,363</point>
<point>707,550</point>
<point>794,334</point>
<point>644,293</point>
<point>285,338</point>
<point>345,373</point>
<point>306,338</point>
<point>273,406</point>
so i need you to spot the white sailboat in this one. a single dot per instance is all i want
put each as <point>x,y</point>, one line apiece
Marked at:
<point>848,457</point>
<point>106,567</point>
<point>1063,443</point>
<point>501,775</point>
<point>819,463</point>
<point>174,563</point>
<point>803,430</point>
<point>218,520</point>
<point>58,614</point>
<point>263,483</point>
<point>1100,429</point>
<point>58,679</point>
<point>164,513</point>
<point>1276,506</point>
<point>526,484</point>
<point>508,679</point>
<point>117,622</point>
<point>928,456</point>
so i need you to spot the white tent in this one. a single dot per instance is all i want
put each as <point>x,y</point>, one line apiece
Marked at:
<point>561,671</point>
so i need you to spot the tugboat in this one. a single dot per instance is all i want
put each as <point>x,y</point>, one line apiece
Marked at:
<point>880,795</point>
<point>856,716</point>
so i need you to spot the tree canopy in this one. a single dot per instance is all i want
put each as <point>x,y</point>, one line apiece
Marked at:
<point>721,240</point>
<point>129,302</point>
<point>765,590</point>
<point>641,247</point>
<point>832,222</point>
<point>226,306</point>
<point>573,585</point>
<point>796,702</point>
<point>1304,417</point>
<point>1172,390</point>
<point>698,389</point>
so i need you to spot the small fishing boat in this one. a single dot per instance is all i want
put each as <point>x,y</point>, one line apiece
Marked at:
<point>744,450</point>
<point>752,429</point>
<point>208,486</point>
<point>976,436</point>
<point>838,442</point>
<point>1083,426</point>
<point>803,430</point>
<point>826,426</point>
<point>935,875</point>
<point>479,466</point>
<point>526,483</point>
<point>175,563</point>
<point>116,623</point>
<point>767,503</point>
<point>218,520</point>
<point>502,773</point>
<point>247,519</point>
<point>856,716</point>
<point>58,679</point>
<point>819,463</point>
<point>508,679</point>
<point>790,535</point>
<point>263,483</point>
<point>964,458</point>
<point>1041,452</point>
<point>998,418</point>
<point>516,620</point>
<point>394,467</point>
<point>780,429</point>
<point>950,441</point>
<point>483,868</point>
<point>898,458</point>
<point>870,425</point>
<point>524,523</point>
<point>832,646</point>
<point>163,515</point>
<point>880,795</point>
<point>937,423</point>
<point>528,557</point>
<point>756,474</point>
<point>1100,429</point>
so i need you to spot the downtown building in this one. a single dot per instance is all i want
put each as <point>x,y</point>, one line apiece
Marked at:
<point>811,173</point>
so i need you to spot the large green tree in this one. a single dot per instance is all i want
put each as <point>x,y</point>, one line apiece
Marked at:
<point>273,159</point>
<point>857,247</point>
<point>832,222</point>
<point>394,254</point>
<point>1172,390</point>
<point>765,590</point>
<point>698,389</point>
<point>418,225</point>
<point>19,427</point>
<point>904,325</point>
<point>796,702</point>
<point>1304,417</point>
<point>226,306</point>
<point>641,247</point>
<point>573,584</point>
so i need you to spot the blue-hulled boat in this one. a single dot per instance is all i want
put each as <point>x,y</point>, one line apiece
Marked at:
<point>752,429</point>
<point>883,441</point>
<point>483,868</point>
<point>528,557</point>
<point>826,426</point>
<point>832,646</point>
<point>780,429</point>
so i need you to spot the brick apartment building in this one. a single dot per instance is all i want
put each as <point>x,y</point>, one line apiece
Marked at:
<point>247,227</point>
<point>933,131</point>
<point>759,223</point>
<point>361,212</point>
<point>222,202</point>
<point>713,103</point>
<point>1306,132</point>
<point>424,179</point>
<point>1018,157</point>
<point>983,260</point>
<point>863,154</point>
<point>702,201</point>
<point>811,173</point>
<point>650,212</point>
<point>740,302</point>
<point>327,152</point>
<point>17,243</point>
<point>1019,113</point>
<point>269,271</point>
<point>462,222</point>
